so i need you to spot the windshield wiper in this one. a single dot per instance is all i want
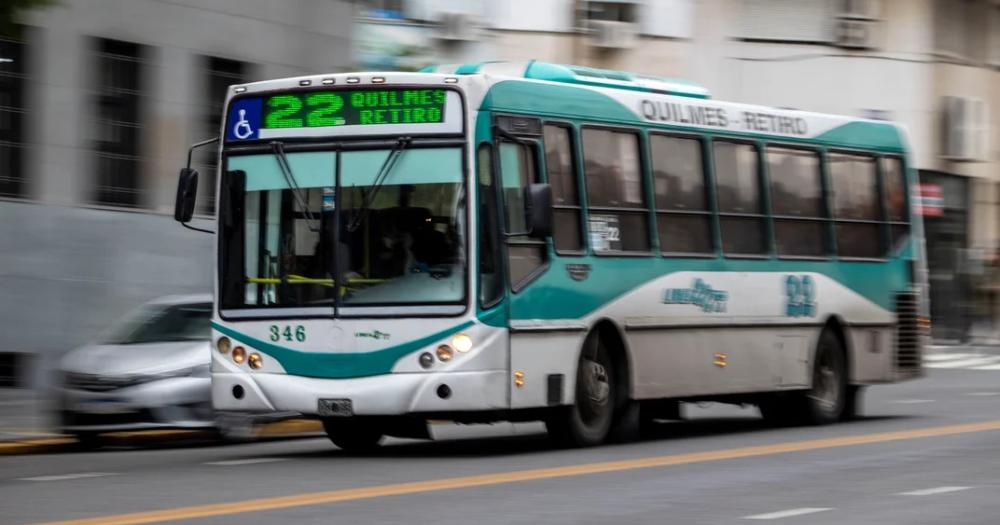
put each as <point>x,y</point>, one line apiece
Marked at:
<point>380,178</point>
<point>286,171</point>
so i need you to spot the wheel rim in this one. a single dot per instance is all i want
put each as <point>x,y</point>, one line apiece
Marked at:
<point>594,393</point>
<point>826,391</point>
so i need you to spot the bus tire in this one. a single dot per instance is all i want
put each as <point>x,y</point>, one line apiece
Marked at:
<point>353,435</point>
<point>826,400</point>
<point>588,420</point>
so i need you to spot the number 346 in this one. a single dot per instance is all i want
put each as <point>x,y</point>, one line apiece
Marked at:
<point>288,333</point>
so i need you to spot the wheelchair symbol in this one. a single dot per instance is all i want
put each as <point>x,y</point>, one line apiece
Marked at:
<point>242,128</point>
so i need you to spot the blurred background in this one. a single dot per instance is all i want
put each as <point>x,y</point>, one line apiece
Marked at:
<point>100,99</point>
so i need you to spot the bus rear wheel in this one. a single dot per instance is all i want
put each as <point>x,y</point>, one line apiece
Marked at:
<point>825,402</point>
<point>353,435</point>
<point>830,398</point>
<point>587,421</point>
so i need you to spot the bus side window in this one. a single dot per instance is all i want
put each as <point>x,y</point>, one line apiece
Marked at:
<point>616,202</point>
<point>565,195</point>
<point>741,209</point>
<point>518,168</point>
<point>894,184</point>
<point>856,205</point>
<point>683,216</point>
<point>797,201</point>
<point>490,278</point>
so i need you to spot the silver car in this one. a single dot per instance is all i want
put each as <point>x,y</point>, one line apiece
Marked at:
<point>150,371</point>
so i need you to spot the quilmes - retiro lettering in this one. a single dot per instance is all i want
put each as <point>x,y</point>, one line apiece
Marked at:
<point>675,113</point>
<point>700,294</point>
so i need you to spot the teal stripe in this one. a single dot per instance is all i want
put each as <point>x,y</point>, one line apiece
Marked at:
<point>339,365</point>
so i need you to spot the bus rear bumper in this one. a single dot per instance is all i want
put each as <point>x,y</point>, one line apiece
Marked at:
<point>389,394</point>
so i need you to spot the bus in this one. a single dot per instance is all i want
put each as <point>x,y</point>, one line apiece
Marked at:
<point>542,242</point>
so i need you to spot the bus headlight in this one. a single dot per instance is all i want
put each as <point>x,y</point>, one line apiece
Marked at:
<point>445,353</point>
<point>223,345</point>
<point>462,343</point>
<point>239,355</point>
<point>426,360</point>
<point>255,361</point>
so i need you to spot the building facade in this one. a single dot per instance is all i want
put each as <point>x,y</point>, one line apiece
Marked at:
<point>933,65</point>
<point>99,101</point>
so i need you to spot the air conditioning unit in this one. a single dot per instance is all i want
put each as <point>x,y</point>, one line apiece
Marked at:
<point>457,27</point>
<point>861,9</point>
<point>854,33</point>
<point>610,34</point>
<point>964,133</point>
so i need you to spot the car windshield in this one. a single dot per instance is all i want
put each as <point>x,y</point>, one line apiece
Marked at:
<point>399,241</point>
<point>164,323</point>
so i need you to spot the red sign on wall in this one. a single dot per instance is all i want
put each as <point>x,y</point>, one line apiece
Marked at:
<point>930,201</point>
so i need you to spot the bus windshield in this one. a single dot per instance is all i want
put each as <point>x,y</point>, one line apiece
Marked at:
<point>400,240</point>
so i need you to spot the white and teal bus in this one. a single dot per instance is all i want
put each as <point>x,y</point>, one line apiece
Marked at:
<point>533,241</point>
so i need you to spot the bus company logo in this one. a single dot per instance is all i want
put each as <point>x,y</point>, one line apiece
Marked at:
<point>701,294</point>
<point>374,334</point>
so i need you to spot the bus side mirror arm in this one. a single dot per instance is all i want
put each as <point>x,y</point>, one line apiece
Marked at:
<point>187,189</point>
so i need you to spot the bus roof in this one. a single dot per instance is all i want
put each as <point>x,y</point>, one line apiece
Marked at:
<point>580,75</point>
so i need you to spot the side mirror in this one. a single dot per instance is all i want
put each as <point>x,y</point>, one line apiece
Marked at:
<point>538,210</point>
<point>187,190</point>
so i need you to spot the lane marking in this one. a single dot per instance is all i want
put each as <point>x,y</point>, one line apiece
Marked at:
<point>499,478</point>
<point>983,394</point>
<point>787,513</point>
<point>910,401</point>
<point>933,491</point>
<point>61,477</point>
<point>248,461</point>
<point>987,367</point>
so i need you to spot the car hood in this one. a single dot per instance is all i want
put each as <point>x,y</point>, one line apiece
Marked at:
<point>147,358</point>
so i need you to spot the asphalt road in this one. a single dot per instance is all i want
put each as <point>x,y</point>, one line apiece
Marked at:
<point>926,451</point>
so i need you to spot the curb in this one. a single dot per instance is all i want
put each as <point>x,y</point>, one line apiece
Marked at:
<point>53,445</point>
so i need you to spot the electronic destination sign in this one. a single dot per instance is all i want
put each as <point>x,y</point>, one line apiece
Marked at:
<point>344,112</point>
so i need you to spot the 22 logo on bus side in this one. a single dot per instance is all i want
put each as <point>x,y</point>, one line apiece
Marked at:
<point>800,296</point>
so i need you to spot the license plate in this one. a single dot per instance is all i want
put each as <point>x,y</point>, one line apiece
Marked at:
<point>336,407</point>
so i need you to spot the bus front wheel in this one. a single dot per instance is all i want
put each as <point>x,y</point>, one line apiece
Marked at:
<point>587,421</point>
<point>352,435</point>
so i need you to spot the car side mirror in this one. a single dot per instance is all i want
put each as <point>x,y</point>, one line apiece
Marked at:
<point>538,210</point>
<point>187,190</point>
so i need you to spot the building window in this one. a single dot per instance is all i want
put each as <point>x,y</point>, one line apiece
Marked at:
<point>683,215</point>
<point>13,111</point>
<point>797,201</point>
<point>962,29</point>
<point>856,205</point>
<point>117,136</point>
<point>616,203</point>
<point>220,73</point>
<point>787,20</point>
<point>741,206</point>
<point>390,9</point>
<point>565,194</point>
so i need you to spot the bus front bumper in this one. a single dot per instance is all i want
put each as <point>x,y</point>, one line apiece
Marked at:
<point>389,394</point>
